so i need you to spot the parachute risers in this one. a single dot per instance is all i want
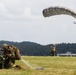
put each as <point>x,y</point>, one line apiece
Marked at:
<point>52,11</point>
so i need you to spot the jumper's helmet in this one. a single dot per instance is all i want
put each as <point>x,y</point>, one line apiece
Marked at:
<point>4,46</point>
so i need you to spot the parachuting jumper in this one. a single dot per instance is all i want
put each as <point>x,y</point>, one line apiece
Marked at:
<point>52,11</point>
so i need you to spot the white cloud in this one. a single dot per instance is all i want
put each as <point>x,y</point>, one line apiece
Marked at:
<point>3,10</point>
<point>23,20</point>
<point>27,11</point>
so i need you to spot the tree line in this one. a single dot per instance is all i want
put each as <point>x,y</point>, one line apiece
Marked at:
<point>34,49</point>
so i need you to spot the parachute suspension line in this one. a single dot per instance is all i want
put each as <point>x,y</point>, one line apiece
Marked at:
<point>32,66</point>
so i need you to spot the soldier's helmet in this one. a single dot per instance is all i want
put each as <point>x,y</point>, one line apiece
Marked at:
<point>4,46</point>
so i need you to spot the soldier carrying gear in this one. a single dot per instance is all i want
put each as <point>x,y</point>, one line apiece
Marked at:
<point>53,50</point>
<point>10,53</point>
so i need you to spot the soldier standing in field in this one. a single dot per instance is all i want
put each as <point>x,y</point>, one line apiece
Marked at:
<point>53,50</point>
<point>10,54</point>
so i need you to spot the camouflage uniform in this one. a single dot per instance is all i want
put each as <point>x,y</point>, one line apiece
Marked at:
<point>10,53</point>
<point>53,50</point>
<point>1,62</point>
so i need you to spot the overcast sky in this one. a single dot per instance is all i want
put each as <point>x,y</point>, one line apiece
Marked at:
<point>22,20</point>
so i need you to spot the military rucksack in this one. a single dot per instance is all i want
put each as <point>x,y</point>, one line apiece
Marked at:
<point>15,51</point>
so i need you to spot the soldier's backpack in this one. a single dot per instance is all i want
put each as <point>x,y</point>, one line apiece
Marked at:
<point>16,52</point>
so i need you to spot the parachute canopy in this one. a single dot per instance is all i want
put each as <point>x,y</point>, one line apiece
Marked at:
<point>51,11</point>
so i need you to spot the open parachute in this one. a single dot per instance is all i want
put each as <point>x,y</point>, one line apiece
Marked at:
<point>51,11</point>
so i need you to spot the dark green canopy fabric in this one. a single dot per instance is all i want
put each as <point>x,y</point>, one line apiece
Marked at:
<point>57,10</point>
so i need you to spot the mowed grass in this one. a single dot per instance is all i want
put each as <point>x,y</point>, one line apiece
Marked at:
<point>52,66</point>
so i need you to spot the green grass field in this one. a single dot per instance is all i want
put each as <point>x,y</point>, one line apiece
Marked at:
<point>52,66</point>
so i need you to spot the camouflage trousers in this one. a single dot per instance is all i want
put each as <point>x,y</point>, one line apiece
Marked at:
<point>6,63</point>
<point>1,62</point>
